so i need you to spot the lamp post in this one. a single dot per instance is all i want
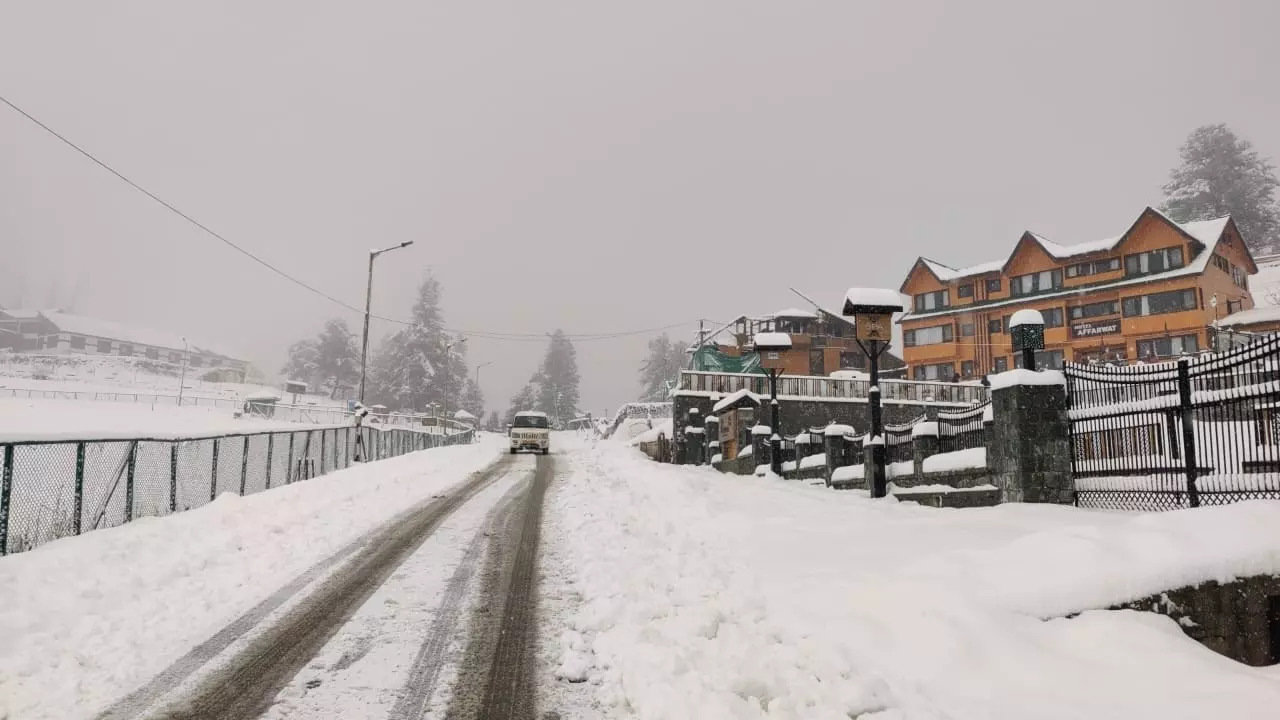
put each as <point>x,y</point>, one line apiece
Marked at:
<point>872,310</point>
<point>478,368</point>
<point>368,301</point>
<point>182,378</point>
<point>770,346</point>
<point>1027,329</point>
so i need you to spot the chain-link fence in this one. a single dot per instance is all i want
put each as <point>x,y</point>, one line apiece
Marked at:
<point>52,489</point>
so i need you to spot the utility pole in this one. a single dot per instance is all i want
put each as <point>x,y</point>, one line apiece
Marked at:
<point>182,379</point>
<point>368,302</point>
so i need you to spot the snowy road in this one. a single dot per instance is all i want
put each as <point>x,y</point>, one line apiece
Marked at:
<point>443,585</point>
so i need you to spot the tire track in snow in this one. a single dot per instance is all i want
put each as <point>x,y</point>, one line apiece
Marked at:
<point>420,684</point>
<point>496,678</point>
<point>251,679</point>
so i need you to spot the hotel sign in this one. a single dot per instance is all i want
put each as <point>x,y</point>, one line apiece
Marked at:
<point>1094,329</point>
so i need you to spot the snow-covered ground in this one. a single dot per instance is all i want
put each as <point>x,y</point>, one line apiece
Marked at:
<point>711,596</point>
<point>87,619</point>
<point>85,420</point>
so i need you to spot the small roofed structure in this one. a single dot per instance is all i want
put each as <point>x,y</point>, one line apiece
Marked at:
<point>464,416</point>
<point>737,412</point>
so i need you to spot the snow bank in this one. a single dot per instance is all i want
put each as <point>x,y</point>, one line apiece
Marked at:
<point>713,597</point>
<point>23,420</point>
<point>812,461</point>
<point>1022,376</point>
<point>937,488</point>
<point>847,473</point>
<point>900,469</point>
<point>958,460</point>
<point>664,427</point>
<point>87,619</point>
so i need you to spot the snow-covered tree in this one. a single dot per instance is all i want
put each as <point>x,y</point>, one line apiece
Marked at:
<point>557,379</point>
<point>421,365</point>
<point>473,399</point>
<point>328,361</point>
<point>494,423</point>
<point>523,400</point>
<point>1222,174</point>
<point>663,365</point>
<point>304,363</point>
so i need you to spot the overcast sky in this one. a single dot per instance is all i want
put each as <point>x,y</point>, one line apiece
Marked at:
<point>592,166</point>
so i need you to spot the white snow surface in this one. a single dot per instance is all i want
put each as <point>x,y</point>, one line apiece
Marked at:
<point>846,473</point>
<point>704,596</point>
<point>883,297</point>
<point>838,430</point>
<point>1026,316</point>
<point>1022,376</point>
<point>957,460</point>
<point>811,461</point>
<point>937,488</point>
<point>925,428</point>
<point>85,420</point>
<point>771,340</point>
<point>760,430</point>
<point>87,619</point>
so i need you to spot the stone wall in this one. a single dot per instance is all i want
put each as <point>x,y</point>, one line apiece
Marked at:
<point>742,465</point>
<point>1239,619</point>
<point>965,478</point>
<point>1029,444</point>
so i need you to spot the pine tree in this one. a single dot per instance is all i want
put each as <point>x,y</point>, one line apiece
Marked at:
<point>557,380</point>
<point>473,399</point>
<point>523,400</point>
<point>665,361</point>
<point>495,423</point>
<point>304,362</point>
<point>328,361</point>
<point>421,365</point>
<point>1223,175</point>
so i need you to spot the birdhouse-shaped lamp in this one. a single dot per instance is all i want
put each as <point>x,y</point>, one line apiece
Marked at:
<point>872,311</point>
<point>771,346</point>
<point>1026,329</point>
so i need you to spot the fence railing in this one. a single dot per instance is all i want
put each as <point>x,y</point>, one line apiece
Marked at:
<point>898,446</point>
<point>53,489</point>
<point>892,391</point>
<point>145,398</point>
<point>963,429</point>
<point>1197,431</point>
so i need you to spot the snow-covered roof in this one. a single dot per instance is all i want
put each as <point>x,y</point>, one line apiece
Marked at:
<point>20,313</point>
<point>873,296</point>
<point>1261,314</point>
<point>531,413</point>
<point>94,327</point>
<point>795,313</point>
<point>463,415</point>
<point>772,340</point>
<point>1202,231</point>
<point>1206,232</point>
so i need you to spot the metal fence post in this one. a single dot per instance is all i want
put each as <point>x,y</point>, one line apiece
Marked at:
<point>6,491</point>
<point>244,466</point>
<point>323,447</point>
<point>288,465</point>
<point>1188,429</point>
<point>128,481</point>
<point>79,499</point>
<point>271,446</point>
<point>213,482</point>
<point>173,477</point>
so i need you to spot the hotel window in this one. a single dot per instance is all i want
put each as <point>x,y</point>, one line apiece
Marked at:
<point>993,285</point>
<point>994,326</point>
<point>1097,267</point>
<point>1239,277</point>
<point>1052,317</point>
<point>938,371</point>
<point>933,301</point>
<point>927,336</point>
<point>1222,263</point>
<point>1098,309</point>
<point>966,368</point>
<point>1035,283</point>
<point>966,330</point>
<point>1001,364</point>
<point>1160,303</point>
<point>965,291</point>
<point>1051,359</point>
<point>1155,261</point>
<point>1168,347</point>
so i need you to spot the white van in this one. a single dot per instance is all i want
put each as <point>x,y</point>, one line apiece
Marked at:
<point>531,431</point>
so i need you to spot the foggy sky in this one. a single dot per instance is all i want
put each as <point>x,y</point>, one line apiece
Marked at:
<point>584,165</point>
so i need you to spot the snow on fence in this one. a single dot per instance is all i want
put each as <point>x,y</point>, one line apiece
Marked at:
<point>828,388</point>
<point>1197,431</point>
<point>964,429</point>
<point>56,488</point>
<point>153,399</point>
<point>898,441</point>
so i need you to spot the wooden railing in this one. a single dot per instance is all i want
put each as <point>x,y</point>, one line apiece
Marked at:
<point>805,386</point>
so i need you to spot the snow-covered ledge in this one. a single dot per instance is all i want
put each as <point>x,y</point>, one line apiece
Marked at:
<point>1022,376</point>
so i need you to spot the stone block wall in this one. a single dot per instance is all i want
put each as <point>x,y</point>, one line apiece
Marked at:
<point>1030,448</point>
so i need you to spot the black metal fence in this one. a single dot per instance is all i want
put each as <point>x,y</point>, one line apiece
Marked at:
<point>898,442</point>
<point>52,489</point>
<point>1196,431</point>
<point>963,429</point>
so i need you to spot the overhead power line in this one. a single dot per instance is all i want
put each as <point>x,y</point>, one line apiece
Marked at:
<point>483,334</point>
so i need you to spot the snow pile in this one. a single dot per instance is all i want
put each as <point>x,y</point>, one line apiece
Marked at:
<point>847,473</point>
<point>87,619</point>
<point>87,420</point>
<point>812,461</point>
<point>704,596</point>
<point>958,460</point>
<point>1022,376</point>
<point>664,428</point>
<point>936,488</point>
<point>927,428</point>
<point>838,430</point>
<point>758,430</point>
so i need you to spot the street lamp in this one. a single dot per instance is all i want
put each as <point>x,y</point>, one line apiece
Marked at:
<point>478,368</point>
<point>872,310</point>
<point>1027,330</point>
<point>368,301</point>
<point>182,378</point>
<point>770,346</point>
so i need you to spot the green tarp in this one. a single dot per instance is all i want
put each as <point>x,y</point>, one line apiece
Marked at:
<point>708,359</point>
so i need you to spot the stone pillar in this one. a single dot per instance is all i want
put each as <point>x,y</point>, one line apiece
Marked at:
<point>869,458</point>
<point>924,443</point>
<point>833,443</point>
<point>1030,446</point>
<point>695,439</point>
<point>712,426</point>
<point>760,449</point>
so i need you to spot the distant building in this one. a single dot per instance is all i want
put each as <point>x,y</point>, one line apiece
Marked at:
<point>1154,292</point>
<point>49,331</point>
<point>821,342</point>
<point>1243,326</point>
